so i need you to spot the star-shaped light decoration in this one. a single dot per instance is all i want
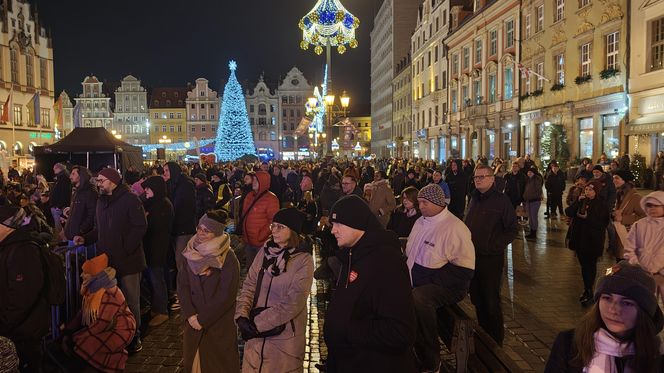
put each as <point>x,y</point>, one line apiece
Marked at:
<point>232,65</point>
<point>328,23</point>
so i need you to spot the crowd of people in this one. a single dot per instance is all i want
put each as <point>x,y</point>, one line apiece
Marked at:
<point>230,246</point>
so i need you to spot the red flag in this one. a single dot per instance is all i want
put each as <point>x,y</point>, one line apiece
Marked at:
<point>525,72</point>
<point>7,109</point>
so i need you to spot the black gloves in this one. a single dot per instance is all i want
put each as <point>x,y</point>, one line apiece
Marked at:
<point>247,328</point>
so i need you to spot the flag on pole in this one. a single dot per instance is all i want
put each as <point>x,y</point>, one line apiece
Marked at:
<point>525,72</point>
<point>77,115</point>
<point>34,107</point>
<point>7,112</point>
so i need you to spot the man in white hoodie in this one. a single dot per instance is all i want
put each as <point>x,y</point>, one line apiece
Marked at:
<point>441,262</point>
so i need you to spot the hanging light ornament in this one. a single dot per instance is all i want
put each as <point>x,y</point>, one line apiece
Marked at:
<point>328,23</point>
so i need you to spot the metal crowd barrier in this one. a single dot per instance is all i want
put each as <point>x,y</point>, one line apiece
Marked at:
<point>73,257</point>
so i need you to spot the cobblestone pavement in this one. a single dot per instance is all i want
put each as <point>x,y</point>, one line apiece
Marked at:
<point>541,286</point>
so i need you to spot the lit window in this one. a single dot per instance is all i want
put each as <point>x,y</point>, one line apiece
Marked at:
<point>540,18</point>
<point>559,14</point>
<point>493,42</point>
<point>585,59</point>
<point>612,47</point>
<point>656,38</point>
<point>560,68</point>
<point>509,33</point>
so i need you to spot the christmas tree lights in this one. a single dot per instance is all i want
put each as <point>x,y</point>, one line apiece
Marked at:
<point>234,137</point>
<point>328,23</point>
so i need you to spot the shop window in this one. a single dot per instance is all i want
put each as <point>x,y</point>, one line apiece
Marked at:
<point>586,138</point>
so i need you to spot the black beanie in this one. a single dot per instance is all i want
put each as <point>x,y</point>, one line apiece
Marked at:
<point>354,212</point>
<point>633,282</point>
<point>598,168</point>
<point>290,217</point>
<point>625,175</point>
<point>201,176</point>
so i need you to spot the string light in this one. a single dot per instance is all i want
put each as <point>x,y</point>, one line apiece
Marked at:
<point>328,23</point>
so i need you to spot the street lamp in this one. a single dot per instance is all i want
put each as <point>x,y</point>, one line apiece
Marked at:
<point>116,134</point>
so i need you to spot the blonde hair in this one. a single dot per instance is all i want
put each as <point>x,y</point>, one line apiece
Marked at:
<point>308,196</point>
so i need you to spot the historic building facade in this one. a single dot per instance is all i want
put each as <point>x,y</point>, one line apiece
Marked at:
<point>203,107</point>
<point>130,118</point>
<point>64,114</point>
<point>429,81</point>
<point>574,78</point>
<point>26,70</point>
<point>94,106</point>
<point>646,80</point>
<point>168,115</point>
<point>402,100</point>
<point>293,93</point>
<point>262,107</point>
<point>390,41</point>
<point>483,98</point>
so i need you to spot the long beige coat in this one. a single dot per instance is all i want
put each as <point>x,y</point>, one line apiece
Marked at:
<point>286,296</point>
<point>382,201</point>
<point>213,299</point>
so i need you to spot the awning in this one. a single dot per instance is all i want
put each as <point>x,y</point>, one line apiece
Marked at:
<point>646,125</point>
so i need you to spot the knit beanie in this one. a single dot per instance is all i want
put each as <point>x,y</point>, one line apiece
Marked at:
<point>598,168</point>
<point>95,265</point>
<point>354,212</point>
<point>290,217</point>
<point>12,216</point>
<point>111,174</point>
<point>656,198</point>
<point>8,355</point>
<point>433,193</point>
<point>625,175</point>
<point>213,225</point>
<point>201,176</point>
<point>633,282</point>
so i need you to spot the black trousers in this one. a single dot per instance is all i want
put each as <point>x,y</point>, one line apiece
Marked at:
<point>554,201</point>
<point>428,298</point>
<point>588,269</point>
<point>485,294</point>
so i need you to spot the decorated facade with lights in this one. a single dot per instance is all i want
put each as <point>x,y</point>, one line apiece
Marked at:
<point>234,137</point>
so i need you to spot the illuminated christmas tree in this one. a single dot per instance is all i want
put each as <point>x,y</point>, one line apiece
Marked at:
<point>234,137</point>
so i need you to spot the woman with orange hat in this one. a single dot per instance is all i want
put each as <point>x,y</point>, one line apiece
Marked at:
<point>108,325</point>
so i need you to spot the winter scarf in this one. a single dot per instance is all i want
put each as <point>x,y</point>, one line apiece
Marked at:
<point>209,254</point>
<point>607,349</point>
<point>93,289</point>
<point>276,258</point>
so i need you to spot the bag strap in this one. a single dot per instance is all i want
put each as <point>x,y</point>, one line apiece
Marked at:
<point>259,282</point>
<point>242,215</point>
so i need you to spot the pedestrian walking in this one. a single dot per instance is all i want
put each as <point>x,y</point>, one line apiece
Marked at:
<point>207,287</point>
<point>532,196</point>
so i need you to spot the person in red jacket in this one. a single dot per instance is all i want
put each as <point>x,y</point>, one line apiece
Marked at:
<point>258,209</point>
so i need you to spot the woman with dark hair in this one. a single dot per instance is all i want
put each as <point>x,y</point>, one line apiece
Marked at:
<point>619,333</point>
<point>586,234</point>
<point>457,180</point>
<point>271,310</point>
<point>404,216</point>
<point>532,196</point>
<point>628,204</point>
<point>207,286</point>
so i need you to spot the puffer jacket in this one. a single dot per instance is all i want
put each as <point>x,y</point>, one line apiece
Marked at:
<point>533,190</point>
<point>256,223</point>
<point>83,206</point>
<point>645,239</point>
<point>285,296</point>
<point>382,198</point>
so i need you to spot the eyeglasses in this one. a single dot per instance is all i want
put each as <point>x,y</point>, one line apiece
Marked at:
<point>277,227</point>
<point>652,205</point>
<point>101,180</point>
<point>481,177</point>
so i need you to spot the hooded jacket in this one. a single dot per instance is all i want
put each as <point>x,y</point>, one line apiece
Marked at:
<point>204,200</point>
<point>370,324</point>
<point>119,230</point>
<point>645,239</point>
<point>256,222</point>
<point>160,216</point>
<point>61,193</point>
<point>83,205</point>
<point>182,194</point>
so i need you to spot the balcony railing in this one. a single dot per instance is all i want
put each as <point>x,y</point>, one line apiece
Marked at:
<point>475,111</point>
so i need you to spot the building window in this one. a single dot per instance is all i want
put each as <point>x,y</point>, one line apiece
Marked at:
<point>527,27</point>
<point>478,51</point>
<point>539,11</point>
<point>156,129</point>
<point>251,108</point>
<point>203,129</point>
<point>559,61</point>
<point>493,42</point>
<point>492,88</point>
<point>526,83</point>
<point>657,44</point>
<point>585,59</point>
<point>540,75</point>
<point>429,59</point>
<point>586,138</point>
<point>509,85</point>
<point>193,106</point>
<point>466,58</point>
<point>179,128</point>
<point>455,63</point>
<point>18,115</point>
<point>13,56</point>
<point>43,73</point>
<point>583,3</point>
<point>171,115</point>
<point>211,116</point>
<point>464,97</point>
<point>163,128</point>
<point>612,47</point>
<point>559,14</point>
<point>172,128</point>
<point>509,33</point>
<point>193,129</point>
<point>527,141</point>
<point>156,116</point>
<point>213,128</point>
<point>454,101</point>
<point>477,91</point>
<point>202,116</point>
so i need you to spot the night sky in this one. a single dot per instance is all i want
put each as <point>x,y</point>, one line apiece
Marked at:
<point>170,43</point>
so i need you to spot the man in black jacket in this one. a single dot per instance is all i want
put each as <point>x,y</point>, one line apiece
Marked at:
<point>81,213</point>
<point>204,199</point>
<point>182,194</point>
<point>23,307</point>
<point>555,186</point>
<point>492,223</point>
<point>370,324</point>
<point>60,195</point>
<point>119,228</point>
